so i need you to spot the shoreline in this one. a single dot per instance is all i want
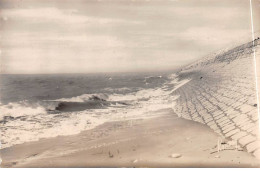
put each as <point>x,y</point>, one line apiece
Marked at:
<point>131,143</point>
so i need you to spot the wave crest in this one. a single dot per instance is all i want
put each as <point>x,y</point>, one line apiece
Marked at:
<point>84,98</point>
<point>18,109</point>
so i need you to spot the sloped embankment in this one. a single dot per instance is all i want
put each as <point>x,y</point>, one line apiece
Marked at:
<point>222,95</point>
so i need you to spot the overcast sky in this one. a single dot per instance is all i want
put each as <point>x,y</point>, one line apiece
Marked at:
<point>80,36</point>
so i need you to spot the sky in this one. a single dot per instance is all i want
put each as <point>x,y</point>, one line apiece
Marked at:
<point>86,36</point>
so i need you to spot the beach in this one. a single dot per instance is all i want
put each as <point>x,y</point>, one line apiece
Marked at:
<point>132,143</point>
<point>133,83</point>
<point>177,124</point>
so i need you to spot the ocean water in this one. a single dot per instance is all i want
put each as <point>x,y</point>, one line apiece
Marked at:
<point>41,106</point>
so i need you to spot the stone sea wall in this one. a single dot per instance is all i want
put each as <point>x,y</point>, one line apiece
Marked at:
<point>221,93</point>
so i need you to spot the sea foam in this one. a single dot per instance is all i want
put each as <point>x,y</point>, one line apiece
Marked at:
<point>31,123</point>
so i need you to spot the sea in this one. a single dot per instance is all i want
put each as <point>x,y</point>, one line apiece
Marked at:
<point>39,106</point>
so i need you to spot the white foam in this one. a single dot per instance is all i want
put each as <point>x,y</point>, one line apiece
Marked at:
<point>181,83</point>
<point>48,126</point>
<point>136,96</point>
<point>172,76</point>
<point>81,98</point>
<point>38,124</point>
<point>16,110</point>
<point>118,89</point>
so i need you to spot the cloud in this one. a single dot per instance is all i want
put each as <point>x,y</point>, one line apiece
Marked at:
<point>208,36</point>
<point>40,14</point>
<point>20,39</point>
<point>135,36</point>
<point>69,16</point>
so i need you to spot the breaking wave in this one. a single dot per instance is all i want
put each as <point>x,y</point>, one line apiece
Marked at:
<point>78,103</point>
<point>32,120</point>
<point>19,109</point>
<point>84,98</point>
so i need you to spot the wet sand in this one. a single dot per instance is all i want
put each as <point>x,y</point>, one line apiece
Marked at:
<point>132,143</point>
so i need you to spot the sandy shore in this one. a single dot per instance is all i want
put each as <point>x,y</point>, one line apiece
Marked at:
<point>135,143</point>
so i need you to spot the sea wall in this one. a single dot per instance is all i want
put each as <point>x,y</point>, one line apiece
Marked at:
<point>221,93</point>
